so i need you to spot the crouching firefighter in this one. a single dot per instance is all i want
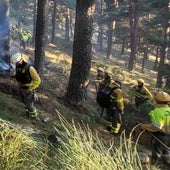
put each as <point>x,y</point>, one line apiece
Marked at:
<point>28,80</point>
<point>159,128</point>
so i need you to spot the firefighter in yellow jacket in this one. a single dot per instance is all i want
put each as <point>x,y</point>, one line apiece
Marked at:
<point>142,94</point>
<point>114,103</point>
<point>28,80</point>
<point>160,127</point>
<point>116,109</point>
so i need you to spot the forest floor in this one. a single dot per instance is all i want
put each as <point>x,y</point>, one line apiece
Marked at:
<point>54,85</point>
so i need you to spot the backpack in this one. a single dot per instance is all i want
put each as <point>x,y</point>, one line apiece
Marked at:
<point>24,75</point>
<point>103,96</point>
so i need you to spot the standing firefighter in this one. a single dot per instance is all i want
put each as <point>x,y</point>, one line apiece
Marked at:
<point>25,38</point>
<point>142,94</point>
<point>110,96</point>
<point>160,127</point>
<point>28,80</point>
<point>116,108</point>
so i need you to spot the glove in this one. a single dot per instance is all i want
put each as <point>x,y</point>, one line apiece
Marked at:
<point>122,112</point>
<point>35,97</point>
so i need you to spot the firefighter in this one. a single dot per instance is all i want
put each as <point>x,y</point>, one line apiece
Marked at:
<point>142,94</point>
<point>116,109</point>
<point>25,38</point>
<point>160,127</point>
<point>28,80</point>
<point>103,92</point>
<point>106,79</point>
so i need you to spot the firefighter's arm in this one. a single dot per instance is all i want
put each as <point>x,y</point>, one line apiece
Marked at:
<point>149,94</point>
<point>35,79</point>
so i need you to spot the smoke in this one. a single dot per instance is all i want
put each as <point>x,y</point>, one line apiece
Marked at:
<point>4,36</point>
<point>4,66</point>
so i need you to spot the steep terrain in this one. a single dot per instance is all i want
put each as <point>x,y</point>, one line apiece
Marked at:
<point>53,88</point>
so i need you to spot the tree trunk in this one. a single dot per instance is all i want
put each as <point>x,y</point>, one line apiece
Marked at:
<point>110,6</point>
<point>53,21</point>
<point>67,26</point>
<point>82,45</point>
<point>34,22</point>
<point>123,45</point>
<point>165,24</point>
<point>71,25</point>
<point>145,56</point>
<point>109,40</point>
<point>156,59</point>
<point>100,40</point>
<point>40,36</point>
<point>161,64</point>
<point>133,22</point>
<point>100,35</point>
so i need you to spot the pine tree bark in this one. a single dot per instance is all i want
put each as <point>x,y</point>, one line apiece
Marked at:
<point>40,38</point>
<point>53,21</point>
<point>34,22</point>
<point>82,45</point>
<point>133,22</point>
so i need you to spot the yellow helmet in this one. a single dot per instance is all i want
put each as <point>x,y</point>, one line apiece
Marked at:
<point>140,81</point>
<point>108,73</point>
<point>16,57</point>
<point>162,97</point>
<point>25,58</point>
<point>100,69</point>
<point>119,78</point>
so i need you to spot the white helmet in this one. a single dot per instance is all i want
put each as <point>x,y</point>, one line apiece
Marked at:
<point>16,57</point>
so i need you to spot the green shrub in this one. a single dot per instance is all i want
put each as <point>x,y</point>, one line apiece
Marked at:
<point>82,149</point>
<point>18,151</point>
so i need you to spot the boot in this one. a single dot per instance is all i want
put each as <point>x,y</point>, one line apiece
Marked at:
<point>33,114</point>
<point>116,129</point>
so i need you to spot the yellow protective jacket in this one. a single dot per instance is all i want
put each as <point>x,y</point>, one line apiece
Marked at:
<point>27,77</point>
<point>35,82</point>
<point>116,95</point>
<point>26,36</point>
<point>160,117</point>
